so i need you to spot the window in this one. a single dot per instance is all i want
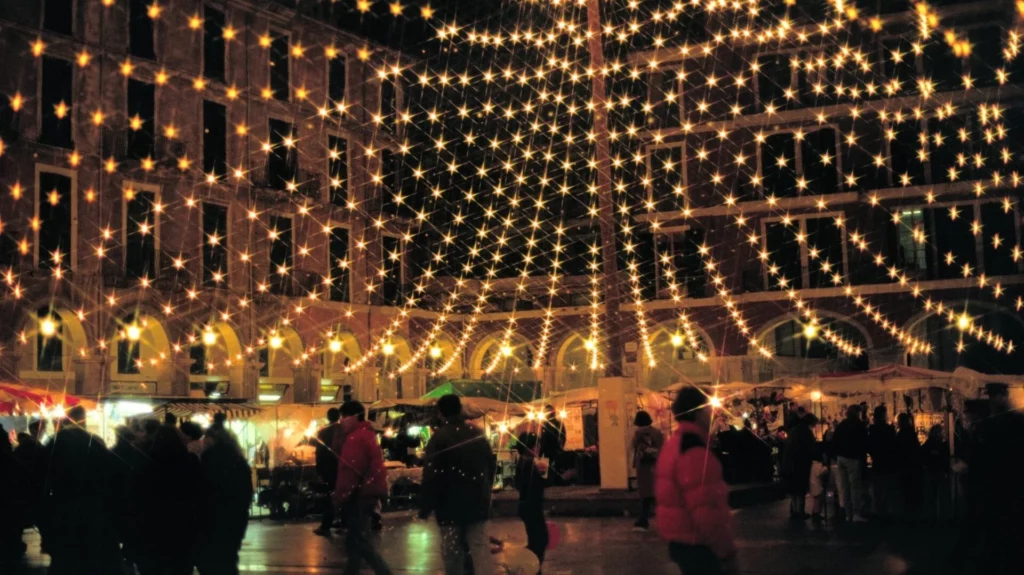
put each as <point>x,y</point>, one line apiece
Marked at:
<point>140,234</point>
<point>129,353</point>
<point>337,81</point>
<point>55,207</point>
<point>795,339</point>
<point>49,343</point>
<point>140,30</point>
<point>58,15</point>
<point>906,144</point>
<point>279,81</point>
<point>819,161</point>
<point>215,146</point>
<point>387,180</point>
<point>1000,237</point>
<point>824,251</point>
<point>388,103</point>
<point>8,251</point>
<point>391,254</point>
<point>263,357</point>
<point>954,242</point>
<point>784,252</point>
<point>667,190</point>
<point>338,271</point>
<point>778,165</point>
<point>911,250</point>
<point>337,169</point>
<point>282,161</point>
<point>57,103</point>
<point>774,79</point>
<point>197,353</point>
<point>215,244</point>
<point>679,260</point>
<point>280,254</point>
<point>213,44</point>
<point>664,94</point>
<point>141,105</point>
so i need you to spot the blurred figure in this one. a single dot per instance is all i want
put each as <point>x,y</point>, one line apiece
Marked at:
<point>935,460</point>
<point>12,491</point>
<point>458,475</point>
<point>995,469</point>
<point>818,481</point>
<point>797,457</point>
<point>692,498</point>
<point>76,518</point>
<point>30,443</point>
<point>647,442</point>
<point>227,495</point>
<point>882,449</point>
<point>128,462</point>
<point>169,491</point>
<point>530,484</point>
<point>908,464</point>
<point>327,466</point>
<point>194,437</point>
<point>849,445</point>
<point>552,437</point>
<point>362,482</point>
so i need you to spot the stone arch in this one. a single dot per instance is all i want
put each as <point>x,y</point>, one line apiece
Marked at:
<point>945,337</point>
<point>445,349</point>
<point>676,356</point>
<point>138,349</point>
<point>53,336</point>
<point>575,363</point>
<point>217,355</point>
<point>278,350</point>
<point>798,347</point>
<point>517,364</point>
<point>339,349</point>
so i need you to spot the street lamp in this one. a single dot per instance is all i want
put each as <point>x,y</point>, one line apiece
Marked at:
<point>334,345</point>
<point>209,337</point>
<point>435,352</point>
<point>810,331</point>
<point>48,327</point>
<point>964,321</point>
<point>677,340</point>
<point>276,342</point>
<point>133,332</point>
<point>506,351</point>
<point>388,349</point>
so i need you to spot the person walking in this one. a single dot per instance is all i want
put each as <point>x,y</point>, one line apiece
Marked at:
<point>327,466</point>
<point>692,497</point>
<point>908,464</point>
<point>530,484</point>
<point>76,518</point>
<point>458,474</point>
<point>13,489</point>
<point>169,494</point>
<point>884,469</point>
<point>849,444</point>
<point>797,459</point>
<point>227,495</point>
<point>647,442</point>
<point>362,481</point>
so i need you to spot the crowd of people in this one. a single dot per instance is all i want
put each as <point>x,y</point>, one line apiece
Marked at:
<point>165,499</point>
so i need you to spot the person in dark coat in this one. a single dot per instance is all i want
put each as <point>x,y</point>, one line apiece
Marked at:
<point>327,465</point>
<point>797,458</point>
<point>647,442</point>
<point>227,495</point>
<point>30,444</point>
<point>530,484</point>
<point>458,475</point>
<point>849,446</point>
<point>170,496</point>
<point>128,462</point>
<point>76,518</point>
<point>935,460</point>
<point>552,435</point>
<point>882,449</point>
<point>908,464</point>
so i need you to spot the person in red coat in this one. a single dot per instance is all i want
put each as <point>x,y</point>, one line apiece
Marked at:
<point>362,482</point>
<point>692,498</point>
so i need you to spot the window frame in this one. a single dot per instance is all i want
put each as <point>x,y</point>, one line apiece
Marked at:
<point>73,174</point>
<point>805,269</point>
<point>798,156</point>
<point>227,45</point>
<point>330,264</point>
<point>344,56</point>
<point>144,187</point>
<point>276,33</point>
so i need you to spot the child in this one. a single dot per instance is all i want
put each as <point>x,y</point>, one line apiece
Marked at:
<point>530,483</point>
<point>819,477</point>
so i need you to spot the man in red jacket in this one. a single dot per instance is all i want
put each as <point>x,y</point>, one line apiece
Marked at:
<point>362,481</point>
<point>692,498</point>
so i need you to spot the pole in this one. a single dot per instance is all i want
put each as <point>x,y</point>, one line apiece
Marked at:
<point>606,203</point>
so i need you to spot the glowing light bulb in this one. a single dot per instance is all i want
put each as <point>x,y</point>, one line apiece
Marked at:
<point>815,395</point>
<point>589,344</point>
<point>715,402</point>
<point>810,331</point>
<point>48,327</point>
<point>388,348</point>
<point>506,351</point>
<point>963,322</point>
<point>209,337</point>
<point>435,352</point>
<point>276,342</point>
<point>334,345</point>
<point>677,340</point>
<point>133,332</point>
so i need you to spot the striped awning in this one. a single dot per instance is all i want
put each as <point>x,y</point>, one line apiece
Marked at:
<point>233,410</point>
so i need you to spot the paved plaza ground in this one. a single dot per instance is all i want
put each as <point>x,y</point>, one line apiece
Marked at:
<point>769,545</point>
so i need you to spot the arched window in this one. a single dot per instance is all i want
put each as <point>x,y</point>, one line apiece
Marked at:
<point>945,338</point>
<point>49,342</point>
<point>799,340</point>
<point>129,353</point>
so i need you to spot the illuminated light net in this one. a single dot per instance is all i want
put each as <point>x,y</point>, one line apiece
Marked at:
<point>831,111</point>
